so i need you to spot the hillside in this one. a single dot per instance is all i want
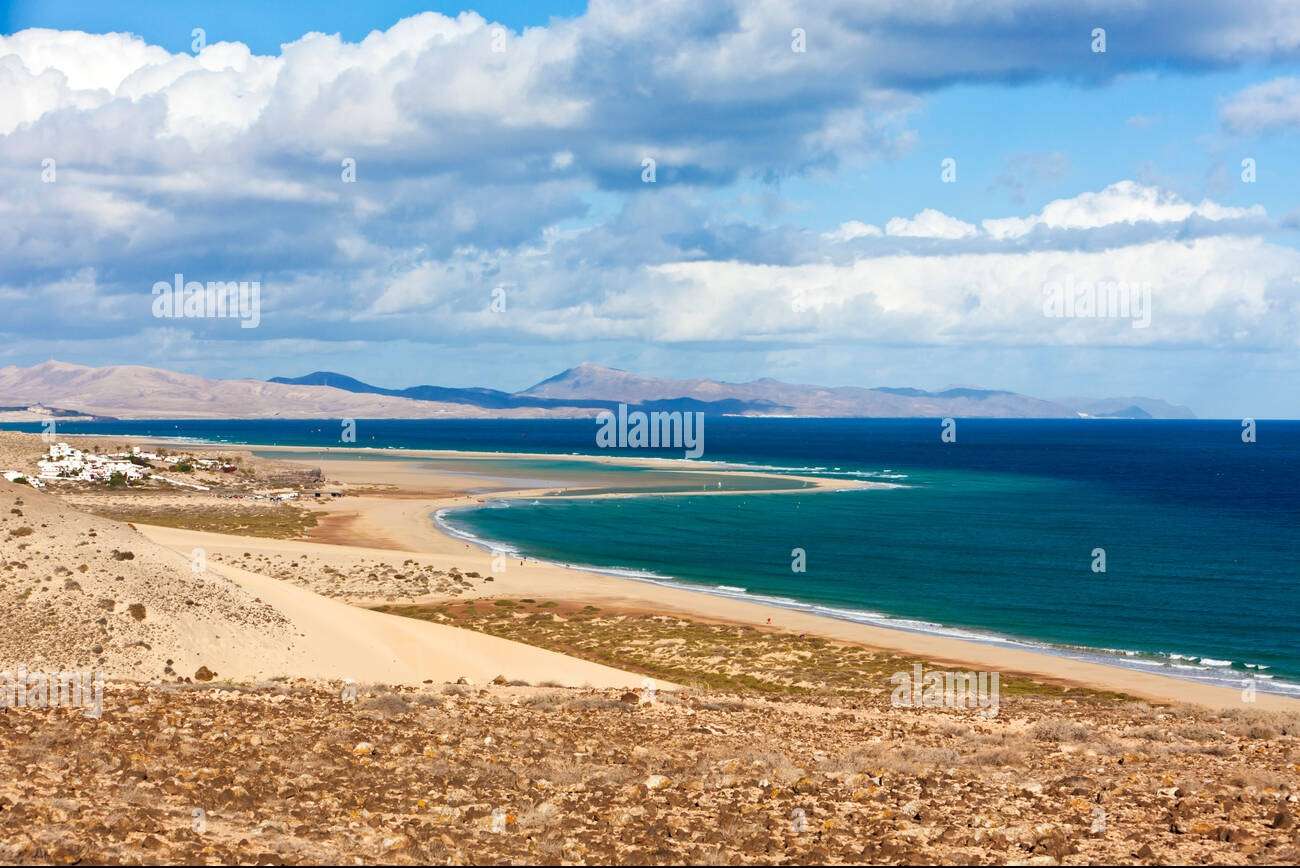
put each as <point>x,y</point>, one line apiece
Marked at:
<point>134,392</point>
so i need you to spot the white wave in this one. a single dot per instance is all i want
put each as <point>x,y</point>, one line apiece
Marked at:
<point>1201,669</point>
<point>439,518</point>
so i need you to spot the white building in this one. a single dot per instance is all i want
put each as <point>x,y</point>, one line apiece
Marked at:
<point>65,462</point>
<point>15,475</point>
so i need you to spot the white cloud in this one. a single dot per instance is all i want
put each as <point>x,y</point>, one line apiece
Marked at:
<point>1222,292</point>
<point>1228,290</point>
<point>853,229</point>
<point>468,160</point>
<point>1125,202</point>
<point>1270,106</point>
<point>930,224</point>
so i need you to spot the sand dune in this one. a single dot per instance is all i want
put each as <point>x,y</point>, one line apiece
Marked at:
<point>81,591</point>
<point>336,640</point>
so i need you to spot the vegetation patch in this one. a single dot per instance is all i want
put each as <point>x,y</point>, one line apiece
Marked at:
<point>724,657</point>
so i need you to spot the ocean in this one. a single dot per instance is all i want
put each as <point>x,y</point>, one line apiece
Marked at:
<point>995,537</point>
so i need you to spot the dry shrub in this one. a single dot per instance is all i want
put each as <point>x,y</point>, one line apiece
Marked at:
<point>564,772</point>
<point>955,730</point>
<point>1148,733</point>
<point>545,701</point>
<point>1010,754</point>
<point>778,768</point>
<point>596,703</point>
<point>1202,732</point>
<point>385,705</point>
<point>1060,730</point>
<point>1260,779</point>
<point>1261,724</point>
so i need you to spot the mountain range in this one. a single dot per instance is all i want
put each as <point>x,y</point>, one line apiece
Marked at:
<point>136,392</point>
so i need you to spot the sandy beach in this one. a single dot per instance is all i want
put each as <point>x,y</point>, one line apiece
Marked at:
<point>391,512</point>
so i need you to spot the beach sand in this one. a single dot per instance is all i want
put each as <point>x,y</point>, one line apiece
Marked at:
<point>394,514</point>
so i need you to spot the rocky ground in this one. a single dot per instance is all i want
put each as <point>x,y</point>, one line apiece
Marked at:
<point>465,774</point>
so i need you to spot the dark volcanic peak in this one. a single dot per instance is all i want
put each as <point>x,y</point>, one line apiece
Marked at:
<point>327,378</point>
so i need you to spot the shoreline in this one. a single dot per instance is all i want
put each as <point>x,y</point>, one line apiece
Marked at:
<point>407,519</point>
<point>927,638</point>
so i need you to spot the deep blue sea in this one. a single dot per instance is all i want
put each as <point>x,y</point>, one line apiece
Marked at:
<point>992,536</point>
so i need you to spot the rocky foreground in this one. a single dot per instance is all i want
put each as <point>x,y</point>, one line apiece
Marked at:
<point>781,748</point>
<point>289,773</point>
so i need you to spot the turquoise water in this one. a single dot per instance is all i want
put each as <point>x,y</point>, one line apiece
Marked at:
<point>562,473</point>
<point>990,537</point>
<point>969,554</point>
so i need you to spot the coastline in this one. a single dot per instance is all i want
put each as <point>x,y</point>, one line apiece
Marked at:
<point>404,517</point>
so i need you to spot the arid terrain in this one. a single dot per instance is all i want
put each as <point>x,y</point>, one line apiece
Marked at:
<point>298,699</point>
<point>294,772</point>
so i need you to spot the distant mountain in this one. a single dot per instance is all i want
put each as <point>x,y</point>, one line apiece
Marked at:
<point>493,399</point>
<point>134,392</point>
<point>42,413</point>
<point>1130,408</point>
<point>773,397</point>
<point>489,398</point>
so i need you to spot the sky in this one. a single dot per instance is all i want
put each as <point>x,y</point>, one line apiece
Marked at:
<point>1090,199</point>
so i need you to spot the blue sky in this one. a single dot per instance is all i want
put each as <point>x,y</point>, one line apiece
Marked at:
<point>261,25</point>
<point>797,226</point>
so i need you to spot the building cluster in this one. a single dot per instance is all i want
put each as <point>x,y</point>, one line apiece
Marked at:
<point>66,463</point>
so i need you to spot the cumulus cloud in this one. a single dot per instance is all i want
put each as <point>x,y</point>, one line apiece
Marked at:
<point>1208,292</point>
<point>1266,107</point>
<point>1125,202</point>
<point>479,153</point>
<point>852,229</point>
<point>930,224</point>
<point>1220,288</point>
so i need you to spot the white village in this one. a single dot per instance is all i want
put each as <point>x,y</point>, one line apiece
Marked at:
<point>65,463</point>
